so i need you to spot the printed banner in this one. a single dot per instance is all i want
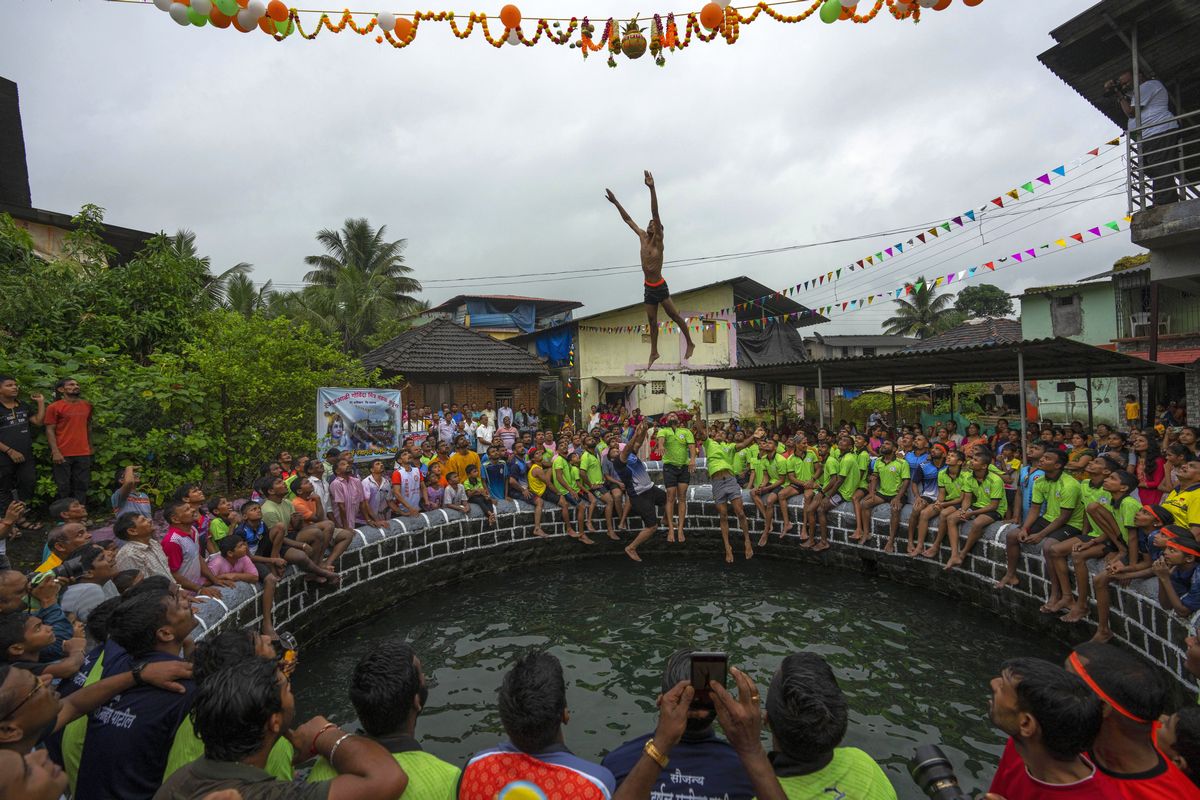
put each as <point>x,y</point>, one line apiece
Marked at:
<point>365,422</point>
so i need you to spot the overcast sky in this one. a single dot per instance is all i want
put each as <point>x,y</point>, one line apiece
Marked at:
<point>494,162</point>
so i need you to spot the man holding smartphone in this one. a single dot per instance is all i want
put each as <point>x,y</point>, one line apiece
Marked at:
<point>701,762</point>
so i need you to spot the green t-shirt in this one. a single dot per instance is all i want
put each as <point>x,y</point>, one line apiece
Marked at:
<point>835,451</point>
<point>951,486</point>
<point>831,468</point>
<point>759,467</point>
<point>864,461</point>
<point>1124,514</point>
<point>560,463</point>
<point>275,513</point>
<point>472,485</point>
<point>851,474</point>
<point>429,778</point>
<point>741,460</point>
<point>802,466</point>
<point>985,491</point>
<point>852,774</point>
<point>1089,494</point>
<point>778,467</point>
<point>218,529</point>
<point>75,733</point>
<point>1059,495</point>
<point>675,443</point>
<point>589,463</point>
<point>891,475</point>
<point>719,457</point>
<point>187,747</point>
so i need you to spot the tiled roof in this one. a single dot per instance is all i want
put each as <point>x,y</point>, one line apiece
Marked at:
<point>444,346</point>
<point>985,330</point>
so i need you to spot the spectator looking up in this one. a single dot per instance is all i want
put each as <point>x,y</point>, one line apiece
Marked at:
<point>69,431</point>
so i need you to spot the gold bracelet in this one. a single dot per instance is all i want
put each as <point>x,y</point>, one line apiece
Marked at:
<point>654,753</point>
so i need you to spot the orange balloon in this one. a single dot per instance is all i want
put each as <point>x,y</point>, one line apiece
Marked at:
<point>711,16</point>
<point>510,15</point>
<point>972,3</point>
<point>266,25</point>
<point>404,28</point>
<point>942,5</point>
<point>277,10</point>
<point>243,3</point>
<point>218,19</point>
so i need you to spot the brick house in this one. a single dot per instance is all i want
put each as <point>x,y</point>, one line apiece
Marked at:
<point>443,362</point>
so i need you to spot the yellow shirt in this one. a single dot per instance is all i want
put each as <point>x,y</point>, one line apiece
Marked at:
<point>49,564</point>
<point>1133,411</point>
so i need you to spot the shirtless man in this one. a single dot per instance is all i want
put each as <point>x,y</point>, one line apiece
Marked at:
<point>657,292</point>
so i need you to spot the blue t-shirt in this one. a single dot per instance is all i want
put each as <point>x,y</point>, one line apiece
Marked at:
<point>138,502</point>
<point>252,535</point>
<point>1187,586</point>
<point>495,475</point>
<point>1145,543</point>
<point>1029,478</point>
<point>129,737</point>
<point>520,470</point>
<point>706,768</point>
<point>633,474</point>
<point>923,474</point>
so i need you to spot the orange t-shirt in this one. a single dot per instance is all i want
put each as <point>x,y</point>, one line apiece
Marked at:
<point>70,421</point>
<point>305,508</point>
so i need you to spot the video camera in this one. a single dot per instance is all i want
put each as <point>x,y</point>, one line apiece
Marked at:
<point>934,774</point>
<point>1113,88</point>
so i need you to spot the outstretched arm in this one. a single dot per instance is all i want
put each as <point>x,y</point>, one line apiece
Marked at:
<point>653,198</point>
<point>612,198</point>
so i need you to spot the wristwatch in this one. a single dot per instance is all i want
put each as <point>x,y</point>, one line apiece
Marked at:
<point>136,672</point>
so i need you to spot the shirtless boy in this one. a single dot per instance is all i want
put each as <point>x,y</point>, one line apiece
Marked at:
<point>657,292</point>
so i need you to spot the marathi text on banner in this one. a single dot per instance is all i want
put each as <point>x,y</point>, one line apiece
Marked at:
<point>364,423</point>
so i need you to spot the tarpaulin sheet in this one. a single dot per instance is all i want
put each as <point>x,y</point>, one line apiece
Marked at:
<point>555,347</point>
<point>772,344</point>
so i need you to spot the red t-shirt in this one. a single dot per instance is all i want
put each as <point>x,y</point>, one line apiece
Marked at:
<point>1164,782</point>
<point>1013,782</point>
<point>70,421</point>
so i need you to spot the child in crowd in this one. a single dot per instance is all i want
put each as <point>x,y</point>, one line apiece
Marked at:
<point>495,473</point>
<point>24,636</point>
<point>127,498</point>
<point>253,530</point>
<point>455,496</point>
<point>821,473</point>
<point>518,475</point>
<point>983,503</point>
<point>949,498</point>
<point>406,485</point>
<point>1091,492</point>
<point>1149,521</point>
<point>1179,740</point>
<point>224,518</point>
<point>1178,574</point>
<point>193,495</point>
<point>1024,479</point>
<point>141,551</point>
<point>182,548</point>
<point>434,491</point>
<point>233,561</point>
<point>862,515</point>
<point>477,493</point>
<point>1108,519</point>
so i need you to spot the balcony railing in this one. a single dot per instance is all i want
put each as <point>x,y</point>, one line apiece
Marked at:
<point>1178,313</point>
<point>1164,168</point>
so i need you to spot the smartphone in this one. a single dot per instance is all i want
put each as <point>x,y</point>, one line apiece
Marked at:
<point>707,667</point>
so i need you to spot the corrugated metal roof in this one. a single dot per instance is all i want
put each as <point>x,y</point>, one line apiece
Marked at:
<point>442,346</point>
<point>984,330</point>
<point>1063,286</point>
<point>553,306</point>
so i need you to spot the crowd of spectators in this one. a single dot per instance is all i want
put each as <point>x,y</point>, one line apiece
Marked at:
<point>104,694</point>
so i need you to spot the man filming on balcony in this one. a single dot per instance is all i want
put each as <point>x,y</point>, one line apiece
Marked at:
<point>1158,132</point>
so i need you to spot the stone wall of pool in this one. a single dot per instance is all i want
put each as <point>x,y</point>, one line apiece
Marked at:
<point>383,566</point>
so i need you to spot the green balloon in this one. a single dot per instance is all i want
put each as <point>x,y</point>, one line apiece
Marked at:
<point>226,7</point>
<point>831,11</point>
<point>285,28</point>
<point>196,18</point>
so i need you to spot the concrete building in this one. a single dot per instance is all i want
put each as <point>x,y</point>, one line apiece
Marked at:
<point>601,358</point>
<point>1158,308</point>
<point>824,347</point>
<point>1084,312</point>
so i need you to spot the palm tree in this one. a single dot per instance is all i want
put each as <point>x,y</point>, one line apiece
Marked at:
<point>214,288</point>
<point>357,286</point>
<point>361,249</point>
<point>923,314</point>
<point>242,296</point>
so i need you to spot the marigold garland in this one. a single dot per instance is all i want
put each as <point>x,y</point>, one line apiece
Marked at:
<point>664,32</point>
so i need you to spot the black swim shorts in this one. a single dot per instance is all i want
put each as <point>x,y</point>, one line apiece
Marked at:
<point>656,293</point>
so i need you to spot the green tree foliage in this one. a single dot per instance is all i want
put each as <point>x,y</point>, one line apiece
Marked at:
<point>923,313</point>
<point>983,300</point>
<point>181,386</point>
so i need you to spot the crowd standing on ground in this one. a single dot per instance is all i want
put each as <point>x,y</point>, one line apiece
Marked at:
<point>103,692</point>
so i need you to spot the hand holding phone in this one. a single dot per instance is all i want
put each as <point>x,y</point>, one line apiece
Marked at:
<point>706,667</point>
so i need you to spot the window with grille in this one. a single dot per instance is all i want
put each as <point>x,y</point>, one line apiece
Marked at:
<point>710,332</point>
<point>658,387</point>
<point>718,401</point>
<point>504,398</point>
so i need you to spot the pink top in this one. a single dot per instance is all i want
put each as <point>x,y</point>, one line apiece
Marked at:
<point>347,493</point>
<point>220,565</point>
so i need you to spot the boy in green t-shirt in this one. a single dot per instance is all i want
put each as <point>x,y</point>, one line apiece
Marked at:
<point>807,760</point>
<point>984,502</point>
<point>839,490</point>
<point>801,481</point>
<point>1062,519</point>
<point>824,465</point>
<point>1091,493</point>
<point>771,468</point>
<point>678,463</point>
<point>949,498</point>
<point>1108,521</point>
<point>862,514</point>
<point>888,483</point>
<point>726,491</point>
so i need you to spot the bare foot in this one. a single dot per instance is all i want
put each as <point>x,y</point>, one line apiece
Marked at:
<point>1006,581</point>
<point>762,540</point>
<point>786,529</point>
<point>691,348</point>
<point>890,547</point>
<point>586,540</point>
<point>629,551</point>
<point>1076,614</point>
<point>613,536</point>
<point>807,544</point>
<point>671,537</point>
<point>1103,636</point>
<point>820,546</point>
<point>954,561</point>
<point>649,364</point>
<point>728,555</point>
<point>749,550</point>
<point>930,552</point>
<point>681,538</point>
<point>538,532</point>
<point>572,534</point>
<point>592,529</point>
<point>1055,606</point>
<point>804,537</point>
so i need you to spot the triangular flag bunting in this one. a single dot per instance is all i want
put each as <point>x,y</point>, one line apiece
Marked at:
<point>1095,152</point>
<point>888,251</point>
<point>1061,242</point>
<point>1061,170</point>
<point>938,281</point>
<point>921,236</point>
<point>1045,178</point>
<point>971,271</point>
<point>1028,187</point>
<point>860,263</point>
<point>1077,237</point>
<point>1112,225</point>
<point>1032,253</point>
<point>957,221</point>
<point>1017,256</point>
<point>990,265</point>
<point>1013,194</point>
<point>900,247</point>
<point>822,279</point>
<point>1114,141</point>
<point>934,232</point>
<point>970,215</point>
<point>1094,231</point>
<point>999,201</point>
<point>839,273</point>
<point>844,306</point>
<point>870,299</point>
<point>879,256</point>
<point>962,273</point>
<point>946,226</point>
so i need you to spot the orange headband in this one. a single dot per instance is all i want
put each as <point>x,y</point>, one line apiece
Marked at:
<point>1175,545</point>
<point>1150,510</point>
<point>1082,672</point>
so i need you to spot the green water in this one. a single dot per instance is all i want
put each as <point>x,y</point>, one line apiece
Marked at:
<point>914,665</point>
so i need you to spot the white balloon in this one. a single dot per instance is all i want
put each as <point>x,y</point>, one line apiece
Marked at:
<point>849,3</point>
<point>387,20</point>
<point>725,3</point>
<point>202,7</point>
<point>927,3</point>
<point>513,38</point>
<point>247,18</point>
<point>258,8</point>
<point>178,13</point>
<point>163,5</point>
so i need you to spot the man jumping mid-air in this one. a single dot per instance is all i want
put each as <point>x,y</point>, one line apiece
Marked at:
<point>657,292</point>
